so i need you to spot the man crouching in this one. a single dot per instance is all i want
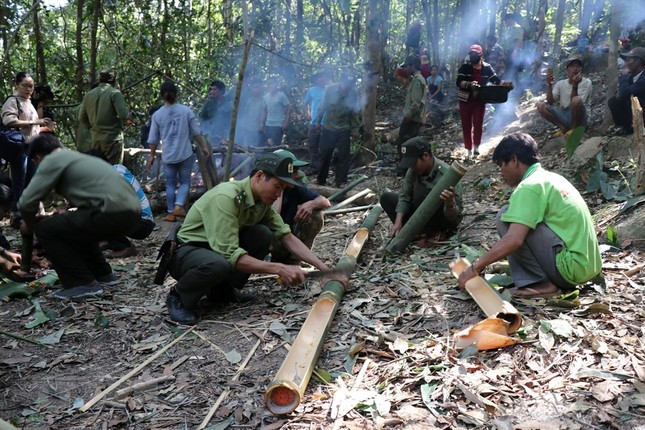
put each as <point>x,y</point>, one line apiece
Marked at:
<point>226,235</point>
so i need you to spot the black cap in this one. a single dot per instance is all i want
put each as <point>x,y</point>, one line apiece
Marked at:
<point>636,52</point>
<point>107,75</point>
<point>412,150</point>
<point>277,165</point>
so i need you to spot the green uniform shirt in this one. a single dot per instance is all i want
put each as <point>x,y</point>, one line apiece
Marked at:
<point>218,216</point>
<point>85,181</point>
<point>415,99</point>
<point>104,112</point>
<point>547,197</point>
<point>340,110</point>
<point>416,187</point>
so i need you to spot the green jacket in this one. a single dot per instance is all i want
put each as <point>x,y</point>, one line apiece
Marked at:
<point>85,181</point>
<point>340,110</point>
<point>218,216</point>
<point>415,188</point>
<point>415,100</point>
<point>104,112</point>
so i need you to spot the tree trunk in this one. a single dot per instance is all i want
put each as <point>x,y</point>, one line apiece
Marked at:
<point>80,65</point>
<point>492,14</point>
<point>41,67</point>
<point>373,53</point>
<point>96,13</point>
<point>612,73</point>
<point>436,58</point>
<point>300,24</point>
<point>639,145</point>
<point>559,23</point>
<point>586,10</point>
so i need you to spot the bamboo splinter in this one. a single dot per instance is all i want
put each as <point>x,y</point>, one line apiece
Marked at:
<point>283,395</point>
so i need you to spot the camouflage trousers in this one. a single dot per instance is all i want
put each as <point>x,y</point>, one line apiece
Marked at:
<point>305,231</point>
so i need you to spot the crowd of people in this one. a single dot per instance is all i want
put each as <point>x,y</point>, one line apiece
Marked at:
<point>267,222</point>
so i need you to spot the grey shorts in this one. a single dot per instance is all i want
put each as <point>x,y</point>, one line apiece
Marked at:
<point>564,115</point>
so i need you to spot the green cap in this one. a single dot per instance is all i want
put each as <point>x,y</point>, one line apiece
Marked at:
<point>289,154</point>
<point>277,165</point>
<point>412,150</point>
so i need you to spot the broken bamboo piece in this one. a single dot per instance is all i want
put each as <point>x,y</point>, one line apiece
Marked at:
<point>283,395</point>
<point>133,372</point>
<point>351,199</point>
<point>340,193</point>
<point>426,210</point>
<point>639,145</point>
<point>502,317</point>
<point>347,210</point>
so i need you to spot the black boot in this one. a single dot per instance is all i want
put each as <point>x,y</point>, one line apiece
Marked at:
<point>178,313</point>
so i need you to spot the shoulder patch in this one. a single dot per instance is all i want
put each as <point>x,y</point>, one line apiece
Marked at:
<point>240,197</point>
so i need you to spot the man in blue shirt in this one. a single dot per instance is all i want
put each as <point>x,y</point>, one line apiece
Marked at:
<point>312,101</point>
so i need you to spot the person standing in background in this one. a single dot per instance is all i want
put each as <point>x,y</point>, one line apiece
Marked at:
<point>18,112</point>
<point>414,111</point>
<point>313,98</point>
<point>276,113</point>
<point>175,126</point>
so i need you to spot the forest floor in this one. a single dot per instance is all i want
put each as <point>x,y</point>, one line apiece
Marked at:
<point>389,359</point>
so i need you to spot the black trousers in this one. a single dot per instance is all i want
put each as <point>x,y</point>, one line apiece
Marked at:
<point>142,232</point>
<point>621,111</point>
<point>406,132</point>
<point>330,140</point>
<point>200,271</point>
<point>71,241</point>
<point>437,223</point>
<point>313,138</point>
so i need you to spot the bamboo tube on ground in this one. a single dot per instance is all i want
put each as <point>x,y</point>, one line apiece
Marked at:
<point>340,193</point>
<point>426,210</point>
<point>487,298</point>
<point>283,395</point>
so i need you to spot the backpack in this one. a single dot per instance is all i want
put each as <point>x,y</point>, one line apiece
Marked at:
<point>12,141</point>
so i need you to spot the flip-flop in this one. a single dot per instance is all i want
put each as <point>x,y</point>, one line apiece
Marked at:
<point>532,293</point>
<point>557,133</point>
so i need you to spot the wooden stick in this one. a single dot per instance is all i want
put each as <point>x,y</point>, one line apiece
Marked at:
<point>133,372</point>
<point>634,270</point>
<point>144,385</point>
<point>235,377</point>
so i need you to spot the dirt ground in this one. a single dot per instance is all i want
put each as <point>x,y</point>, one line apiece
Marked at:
<point>388,361</point>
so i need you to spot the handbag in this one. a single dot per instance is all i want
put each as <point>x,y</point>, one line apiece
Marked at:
<point>12,141</point>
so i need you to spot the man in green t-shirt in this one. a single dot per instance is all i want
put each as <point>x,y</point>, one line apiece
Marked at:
<point>226,236</point>
<point>546,230</point>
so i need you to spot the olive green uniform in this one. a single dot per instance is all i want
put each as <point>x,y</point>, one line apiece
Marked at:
<point>107,207</point>
<point>414,190</point>
<point>223,225</point>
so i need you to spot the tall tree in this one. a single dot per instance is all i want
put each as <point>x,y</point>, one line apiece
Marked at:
<point>373,53</point>
<point>41,67</point>
<point>559,23</point>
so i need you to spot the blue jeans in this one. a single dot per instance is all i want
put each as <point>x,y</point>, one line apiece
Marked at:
<point>177,172</point>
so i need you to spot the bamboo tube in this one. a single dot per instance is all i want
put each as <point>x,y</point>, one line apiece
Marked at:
<point>283,395</point>
<point>487,298</point>
<point>426,210</point>
<point>340,193</point>
<point>27,250</point>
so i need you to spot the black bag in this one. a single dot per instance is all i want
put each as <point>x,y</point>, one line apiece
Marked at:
<point>12,141</point>
<point>493,93</point>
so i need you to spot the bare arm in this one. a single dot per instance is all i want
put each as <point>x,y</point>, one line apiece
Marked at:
<point>306,209</point>
<point>504,247</point>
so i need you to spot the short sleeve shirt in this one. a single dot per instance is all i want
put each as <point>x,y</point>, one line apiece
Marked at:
<point>562,92</point>
<point>547,197</point>
<point>276,106</point>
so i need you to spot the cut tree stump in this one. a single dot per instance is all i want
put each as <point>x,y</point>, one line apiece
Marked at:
<point>639,145</point>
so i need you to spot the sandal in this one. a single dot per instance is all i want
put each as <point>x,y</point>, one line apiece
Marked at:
<point>532,293</point>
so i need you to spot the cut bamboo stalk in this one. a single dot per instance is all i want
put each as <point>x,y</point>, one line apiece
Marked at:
<point>426,210</point>
<point>133,372</point>
<point>235,377</point>
<point>283,395</point>
<point>340,193</point>
<point>347,210</point>
<point>487,298</point>
<point>351,199</point>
